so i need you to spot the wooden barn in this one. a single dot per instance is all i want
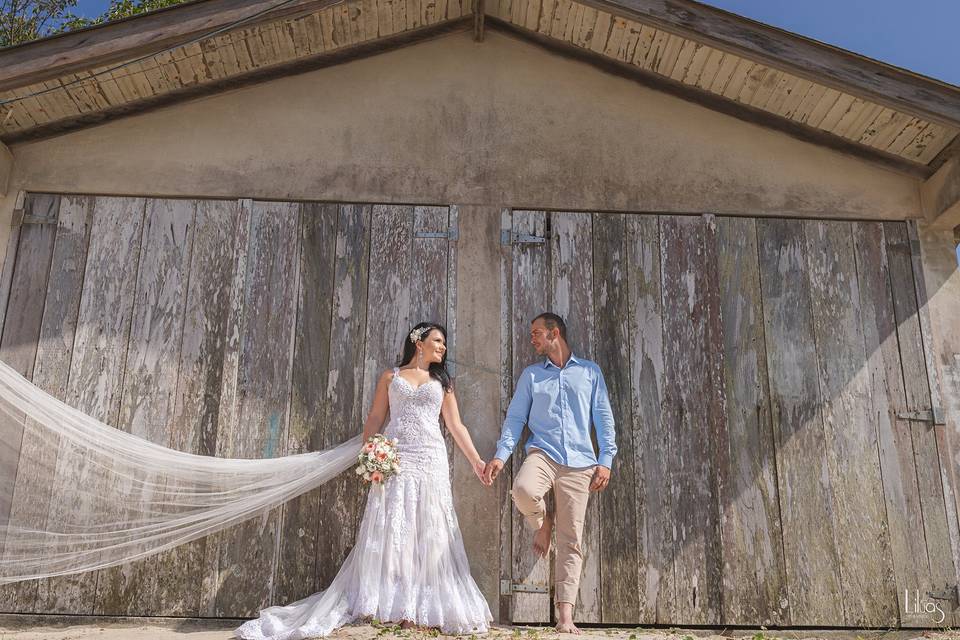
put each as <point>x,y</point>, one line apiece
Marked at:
<point>221,219</point>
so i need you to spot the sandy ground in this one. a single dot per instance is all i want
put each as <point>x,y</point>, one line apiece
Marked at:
<point>13,627</point>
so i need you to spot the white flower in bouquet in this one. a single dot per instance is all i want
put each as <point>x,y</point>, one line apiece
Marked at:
<point>378,459</point>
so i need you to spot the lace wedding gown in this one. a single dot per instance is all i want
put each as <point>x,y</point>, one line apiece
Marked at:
<point>408,562</point>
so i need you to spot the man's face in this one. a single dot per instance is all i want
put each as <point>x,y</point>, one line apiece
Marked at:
<point>542,338</point>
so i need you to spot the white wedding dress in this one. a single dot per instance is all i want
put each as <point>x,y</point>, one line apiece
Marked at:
<point>408,562</point>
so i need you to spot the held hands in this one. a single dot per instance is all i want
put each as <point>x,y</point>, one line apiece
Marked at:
<point>489,472</point>
<point>478,468</point>
<point>601,478</point>
<point>492,470</point>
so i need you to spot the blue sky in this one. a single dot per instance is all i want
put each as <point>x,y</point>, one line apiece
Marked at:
<point>920,35</point>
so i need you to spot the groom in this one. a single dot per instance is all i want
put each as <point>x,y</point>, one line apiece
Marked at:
<point>558,398</point>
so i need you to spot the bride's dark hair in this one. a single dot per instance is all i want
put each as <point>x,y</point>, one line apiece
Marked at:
<point>438,370</point>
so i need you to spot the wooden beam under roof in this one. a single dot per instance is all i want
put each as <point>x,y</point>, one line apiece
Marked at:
<point>940,196</point>
<point>479,11</point>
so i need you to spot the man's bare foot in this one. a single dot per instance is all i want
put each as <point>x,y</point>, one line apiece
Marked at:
<point>541,539</point>
<point>565,619</point>
<point>567,627</point>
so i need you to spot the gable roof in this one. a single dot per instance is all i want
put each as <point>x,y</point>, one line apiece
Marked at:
<point>753,71</point>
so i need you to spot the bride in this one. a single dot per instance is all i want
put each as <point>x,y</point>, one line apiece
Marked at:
<point>408,564</point>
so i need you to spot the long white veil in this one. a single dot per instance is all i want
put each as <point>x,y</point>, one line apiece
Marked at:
<point>77,494</point>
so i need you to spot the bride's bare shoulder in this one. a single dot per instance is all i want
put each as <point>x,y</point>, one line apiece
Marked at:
<point>387,375</point>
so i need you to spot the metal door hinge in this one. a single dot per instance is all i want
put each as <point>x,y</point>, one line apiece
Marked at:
<point>509,237</point>
<point>20,206</point>
<point>452,232</point>
<point>31,219</point>
<point>507,587</point>
<point>934,416</point>
<point>951,594</point>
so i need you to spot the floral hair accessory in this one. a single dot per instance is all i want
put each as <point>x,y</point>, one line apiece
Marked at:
<point>416,334</point>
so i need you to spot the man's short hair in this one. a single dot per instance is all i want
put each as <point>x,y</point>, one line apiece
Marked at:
<point>553,321</point>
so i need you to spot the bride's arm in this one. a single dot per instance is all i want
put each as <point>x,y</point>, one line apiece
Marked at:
<point>378,410</point>
<point>451,417</point>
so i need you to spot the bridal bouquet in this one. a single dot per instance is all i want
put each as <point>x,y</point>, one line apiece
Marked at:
<point>378,459</point>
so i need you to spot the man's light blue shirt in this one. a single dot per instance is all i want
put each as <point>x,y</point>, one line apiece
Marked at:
<point>558,404</point>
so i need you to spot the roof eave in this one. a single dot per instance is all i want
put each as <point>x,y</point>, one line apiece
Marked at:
<point>141,35</point>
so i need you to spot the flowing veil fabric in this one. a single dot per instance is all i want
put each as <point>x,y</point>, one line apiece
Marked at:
<point>77,494</point>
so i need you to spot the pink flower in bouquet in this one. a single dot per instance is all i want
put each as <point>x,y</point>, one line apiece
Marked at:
<point>377,460</point>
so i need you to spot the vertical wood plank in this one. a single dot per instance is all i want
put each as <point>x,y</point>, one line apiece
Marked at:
<point>571,263</point>
<point>344,391</point>
<point>918,397</point>
<point>897,461</point>
<point>247,552</point>
<point>428,283</point>
<point>9,262</point>
<point>530,290</point>
<point>180,572</point>
<point>754,584</point>
<point>21,328</point>
<point>806,494</point>
<point>935,276</point>
<point>428,276</point>
<point>220,233</point>
<point>150,376</point>
<point>230,382</point>
<point>28,286</point>
<point>453,277</point>
<point>392,280</point>
<point>653,443</point>
<point>449,247</point>
<point>96,370</point>
<point>30,267</point>
<point>297,568</point>
<point>505,480</point>
<point>33,489</point>
<point>694,408</point>
<point>619,548</point>
<point>923,312</point>
<point>157,325</point>
<point>852,454</point>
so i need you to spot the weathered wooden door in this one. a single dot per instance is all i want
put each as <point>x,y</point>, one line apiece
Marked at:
<point>541,272</point>
<point>766,377</point>
<point>236,328</point>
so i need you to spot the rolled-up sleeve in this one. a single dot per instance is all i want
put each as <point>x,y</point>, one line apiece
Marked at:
<point>603,421</point>
<point>517,414</point>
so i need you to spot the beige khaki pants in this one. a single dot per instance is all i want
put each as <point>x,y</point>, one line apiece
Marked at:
<point>571,486</point>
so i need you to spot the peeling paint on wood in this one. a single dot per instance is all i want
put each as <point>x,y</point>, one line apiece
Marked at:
<point>754,580</point>
<point>529,297</point>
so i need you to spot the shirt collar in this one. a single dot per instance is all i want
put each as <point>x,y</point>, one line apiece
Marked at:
<point>547,362</point>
